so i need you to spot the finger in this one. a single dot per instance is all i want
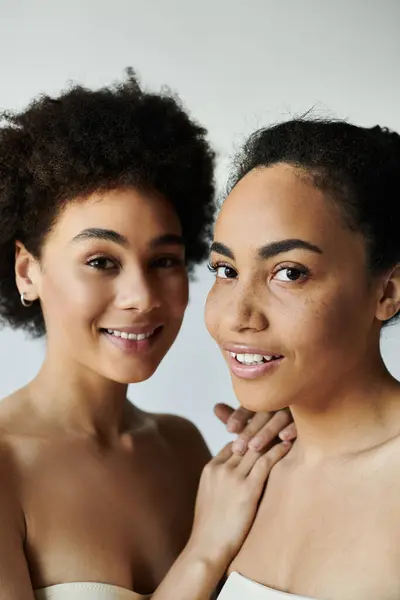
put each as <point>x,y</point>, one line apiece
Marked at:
<point>263,466</point>
<point>223,412</point>
<point>247,462</point>
<point>239,419</point>
<point>289,432</point>
<point>271,430</point>
<point>223,455</point>
<point>257,423</point>
<point>234,461</point>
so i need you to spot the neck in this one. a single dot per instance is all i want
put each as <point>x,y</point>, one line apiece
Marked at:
<point>80,400</point>
<point>358,413</point>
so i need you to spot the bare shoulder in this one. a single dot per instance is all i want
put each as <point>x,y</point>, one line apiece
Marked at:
<point>18,446</point>
<point>11,512</point>
<point>15,414</point>
<point>185,439</point>
<point>14,572</point>
<point>10,434</point>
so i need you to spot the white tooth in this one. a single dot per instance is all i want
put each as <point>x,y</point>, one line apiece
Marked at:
<point>141,336</point>
<point>124,335</point>
<point>268,358</point>
<point>116,333</point>
<point>132,336</point>
<point>248,359</point>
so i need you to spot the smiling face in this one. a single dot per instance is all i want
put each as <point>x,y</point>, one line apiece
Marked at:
<point>112,283</point>
<point>293,306</point>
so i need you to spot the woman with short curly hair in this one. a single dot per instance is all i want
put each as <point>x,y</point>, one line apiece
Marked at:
<point>106,201</point>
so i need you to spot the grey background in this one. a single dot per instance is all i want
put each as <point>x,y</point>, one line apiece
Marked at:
<point>236,65</point>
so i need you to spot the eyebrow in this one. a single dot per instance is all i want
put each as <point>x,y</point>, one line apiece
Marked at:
<point>222,249</point>
<point>101,234</point>
<point>168,239</point>
<point>269,250</point>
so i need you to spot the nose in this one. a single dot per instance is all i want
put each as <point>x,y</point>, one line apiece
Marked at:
<point>138,291</point>
<point>245,312</point>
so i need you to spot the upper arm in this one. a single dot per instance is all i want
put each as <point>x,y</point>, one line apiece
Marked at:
<point>15,583</point>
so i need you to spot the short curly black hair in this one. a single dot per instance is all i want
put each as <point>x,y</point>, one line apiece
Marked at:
<point>359,168</point>
<point>84,141</point>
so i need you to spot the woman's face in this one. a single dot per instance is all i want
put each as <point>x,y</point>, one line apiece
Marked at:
<point>292,307</point>
<point>113,284</point>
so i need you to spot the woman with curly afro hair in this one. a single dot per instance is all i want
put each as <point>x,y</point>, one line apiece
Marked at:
<point>106,203</point>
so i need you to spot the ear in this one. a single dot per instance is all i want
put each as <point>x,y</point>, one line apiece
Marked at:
<point>389,300</point>
<point>26,272</point>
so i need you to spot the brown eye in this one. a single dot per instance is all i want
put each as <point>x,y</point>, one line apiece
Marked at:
<point>222,271</point>
<point>101,263</point>
<point>226,273</point>
<point>166,262</point>
<point>290,274</point>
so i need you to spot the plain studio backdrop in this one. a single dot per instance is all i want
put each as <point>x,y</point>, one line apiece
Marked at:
<point>237,65</point>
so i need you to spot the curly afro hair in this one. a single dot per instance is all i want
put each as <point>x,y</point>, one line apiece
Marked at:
<point>358,168</point>
<point>84,141</point>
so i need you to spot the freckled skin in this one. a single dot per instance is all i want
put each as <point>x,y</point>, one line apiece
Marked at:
<point>293,319</point>
<point>329,522</point>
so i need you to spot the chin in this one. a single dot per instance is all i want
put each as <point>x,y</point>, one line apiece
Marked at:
<point>129,375</point>
<point>258,398</point>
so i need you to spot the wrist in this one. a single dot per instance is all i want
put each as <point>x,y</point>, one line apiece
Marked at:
<point>212,561</point>
<point>194,576</point>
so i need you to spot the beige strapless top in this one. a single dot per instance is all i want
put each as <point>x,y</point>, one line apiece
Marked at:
<point>238,587</point>
<point>87,591</point>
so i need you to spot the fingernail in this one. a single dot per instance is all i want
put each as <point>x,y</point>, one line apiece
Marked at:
<point>286,443</point>
<point>255,444</point>
<point>233,426</point>
<point>239,446</point>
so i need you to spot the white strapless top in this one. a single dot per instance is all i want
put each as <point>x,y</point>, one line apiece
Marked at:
<point>87,591</point>
<point>238,587</point>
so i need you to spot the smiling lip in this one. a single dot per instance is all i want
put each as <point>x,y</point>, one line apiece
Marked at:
<point>242,349</point>
<point>253,371</point>
<point>137,329</point>
<point>133,346</point>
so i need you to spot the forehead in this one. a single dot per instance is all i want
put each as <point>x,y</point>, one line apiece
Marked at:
<point>278,202</point>
<point>133,213</point>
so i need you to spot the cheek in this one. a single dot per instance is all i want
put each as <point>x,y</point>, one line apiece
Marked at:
<point>176,295</point>
<point>68,294</point>
<point>328,324</point>
<point>211,313</point>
